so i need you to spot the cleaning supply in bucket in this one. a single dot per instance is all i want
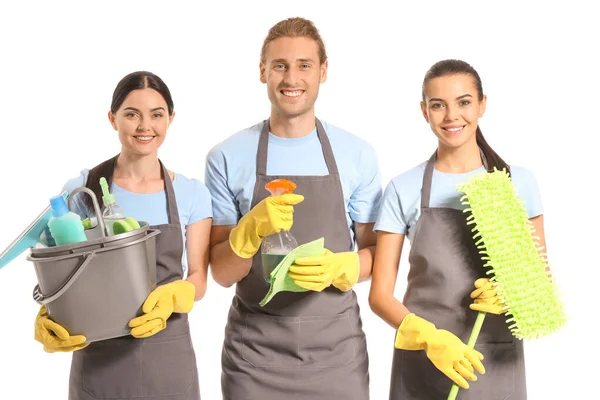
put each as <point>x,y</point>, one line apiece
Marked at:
<point>127,224</point>
<point>46,238</point>
<point>505,237</point>
<point>65,226</point>
<point>112,212</point>
<point>275,247</point>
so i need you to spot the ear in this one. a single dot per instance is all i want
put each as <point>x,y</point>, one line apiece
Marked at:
<point>324,67</point>
<point>424,111</point>
<point>171,118</point>
<point>263,72</point>
<point>482,105</point>
<point>111,118</point>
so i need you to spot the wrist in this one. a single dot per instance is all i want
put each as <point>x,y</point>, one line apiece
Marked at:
<point>250,242</point>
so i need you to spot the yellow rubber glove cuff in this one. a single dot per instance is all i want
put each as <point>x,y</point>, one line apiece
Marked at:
<point>54,337</point>
<point>271,215</point>
<point>486,297</point>
<point>166,299</point>
<point>317,273</point>
<point>446,351</point>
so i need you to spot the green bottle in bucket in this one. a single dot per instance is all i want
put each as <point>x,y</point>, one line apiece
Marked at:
<point>112,212</point>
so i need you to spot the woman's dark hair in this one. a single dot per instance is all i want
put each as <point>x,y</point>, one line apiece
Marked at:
<point>457,67</point>
<point>133,81</point>
<point>140,80</point>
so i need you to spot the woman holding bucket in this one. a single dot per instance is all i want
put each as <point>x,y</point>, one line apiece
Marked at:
<point>158,359</point>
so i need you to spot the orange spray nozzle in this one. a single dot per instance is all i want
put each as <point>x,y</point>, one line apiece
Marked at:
<point>280,186</point>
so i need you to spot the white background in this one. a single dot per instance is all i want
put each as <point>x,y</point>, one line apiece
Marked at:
<point>60,63</point>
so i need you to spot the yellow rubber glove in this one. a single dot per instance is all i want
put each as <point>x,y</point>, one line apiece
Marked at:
<point>317,273</point>
<point>54,337</point>
<point>486,298</point>
<point>272,215</point>
<point>446,351</point>
<point>166,299</point>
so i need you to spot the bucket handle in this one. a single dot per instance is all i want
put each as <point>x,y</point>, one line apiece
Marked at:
<point>94,201</point>
<point>40,298</point>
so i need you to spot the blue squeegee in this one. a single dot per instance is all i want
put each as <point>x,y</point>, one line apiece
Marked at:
<point>29,237</point>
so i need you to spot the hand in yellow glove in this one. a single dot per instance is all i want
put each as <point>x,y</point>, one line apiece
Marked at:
<point>317,273</point>
<point>272,215</point>
<point>54,337</point>
<point>486,297</point>
<point>166,299</point>
<point>446,351</point>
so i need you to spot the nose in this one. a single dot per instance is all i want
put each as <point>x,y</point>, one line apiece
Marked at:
<point>451,113</point>
<point>291,76</point>
<point>144,125</point>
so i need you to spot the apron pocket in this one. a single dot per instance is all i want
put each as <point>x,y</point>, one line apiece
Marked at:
<point>168,365</point>
<point>327,342</point>
<point>299,342</point>
<point>270,341</point>
<point>112,369</point>
<point>498,382</point>
<point>415,377</point>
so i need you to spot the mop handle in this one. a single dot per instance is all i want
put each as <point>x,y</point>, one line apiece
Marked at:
<point>471,344</point>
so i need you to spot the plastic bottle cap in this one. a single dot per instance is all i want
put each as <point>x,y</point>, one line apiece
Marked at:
<point>59,206</point>
<point>280,186</point>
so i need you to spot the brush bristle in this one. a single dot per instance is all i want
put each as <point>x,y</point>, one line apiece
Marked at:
<point>507,244</point>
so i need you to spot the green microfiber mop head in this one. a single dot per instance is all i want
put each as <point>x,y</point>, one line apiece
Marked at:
<point>506,240</point>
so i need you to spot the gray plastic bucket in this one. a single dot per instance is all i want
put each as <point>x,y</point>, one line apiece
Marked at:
<point>94,288</point>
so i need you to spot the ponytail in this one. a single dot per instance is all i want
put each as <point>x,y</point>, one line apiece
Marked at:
<point>493,159</point>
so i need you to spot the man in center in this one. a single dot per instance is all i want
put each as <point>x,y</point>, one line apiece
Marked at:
<point>300,345</point>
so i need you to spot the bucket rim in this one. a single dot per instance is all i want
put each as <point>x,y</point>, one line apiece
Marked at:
<point>48,257</point>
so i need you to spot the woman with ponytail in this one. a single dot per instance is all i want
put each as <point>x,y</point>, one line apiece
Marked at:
<point>436,314</point>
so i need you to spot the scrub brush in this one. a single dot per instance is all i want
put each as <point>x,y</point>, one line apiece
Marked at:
<point>505,239</point>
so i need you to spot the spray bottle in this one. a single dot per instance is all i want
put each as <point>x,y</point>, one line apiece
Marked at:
<point>275,247</point>
<point>112,212</point>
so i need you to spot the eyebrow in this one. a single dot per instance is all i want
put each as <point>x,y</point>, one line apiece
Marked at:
<point>458,98</point>
<point>284,61</point>
<point>135,109</point>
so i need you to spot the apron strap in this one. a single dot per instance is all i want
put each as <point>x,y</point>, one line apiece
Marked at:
<point>263,149</point>
<point>172,209</point>
<point>428,178</point>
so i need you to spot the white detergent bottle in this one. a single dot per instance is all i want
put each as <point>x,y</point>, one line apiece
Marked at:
<point>112,212</point>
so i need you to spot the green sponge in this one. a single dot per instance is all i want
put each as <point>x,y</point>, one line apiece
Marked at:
<point>505,239</point>
<point>125,225</point>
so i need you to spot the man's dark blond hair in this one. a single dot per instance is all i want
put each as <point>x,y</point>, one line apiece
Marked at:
<point>294,27</point>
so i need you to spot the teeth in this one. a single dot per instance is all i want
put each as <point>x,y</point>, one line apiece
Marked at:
<point>144,137</point>
<point>454,129</point>
<point>292,94</point>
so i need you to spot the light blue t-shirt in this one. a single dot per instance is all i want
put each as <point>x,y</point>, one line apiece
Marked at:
<point>231,171</point>
<point>401,204</point>
<point>192,196</point>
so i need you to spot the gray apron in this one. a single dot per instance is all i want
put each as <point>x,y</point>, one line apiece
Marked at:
<point>306,345</point>
<point>161,367</point>
<point>444,264</point>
